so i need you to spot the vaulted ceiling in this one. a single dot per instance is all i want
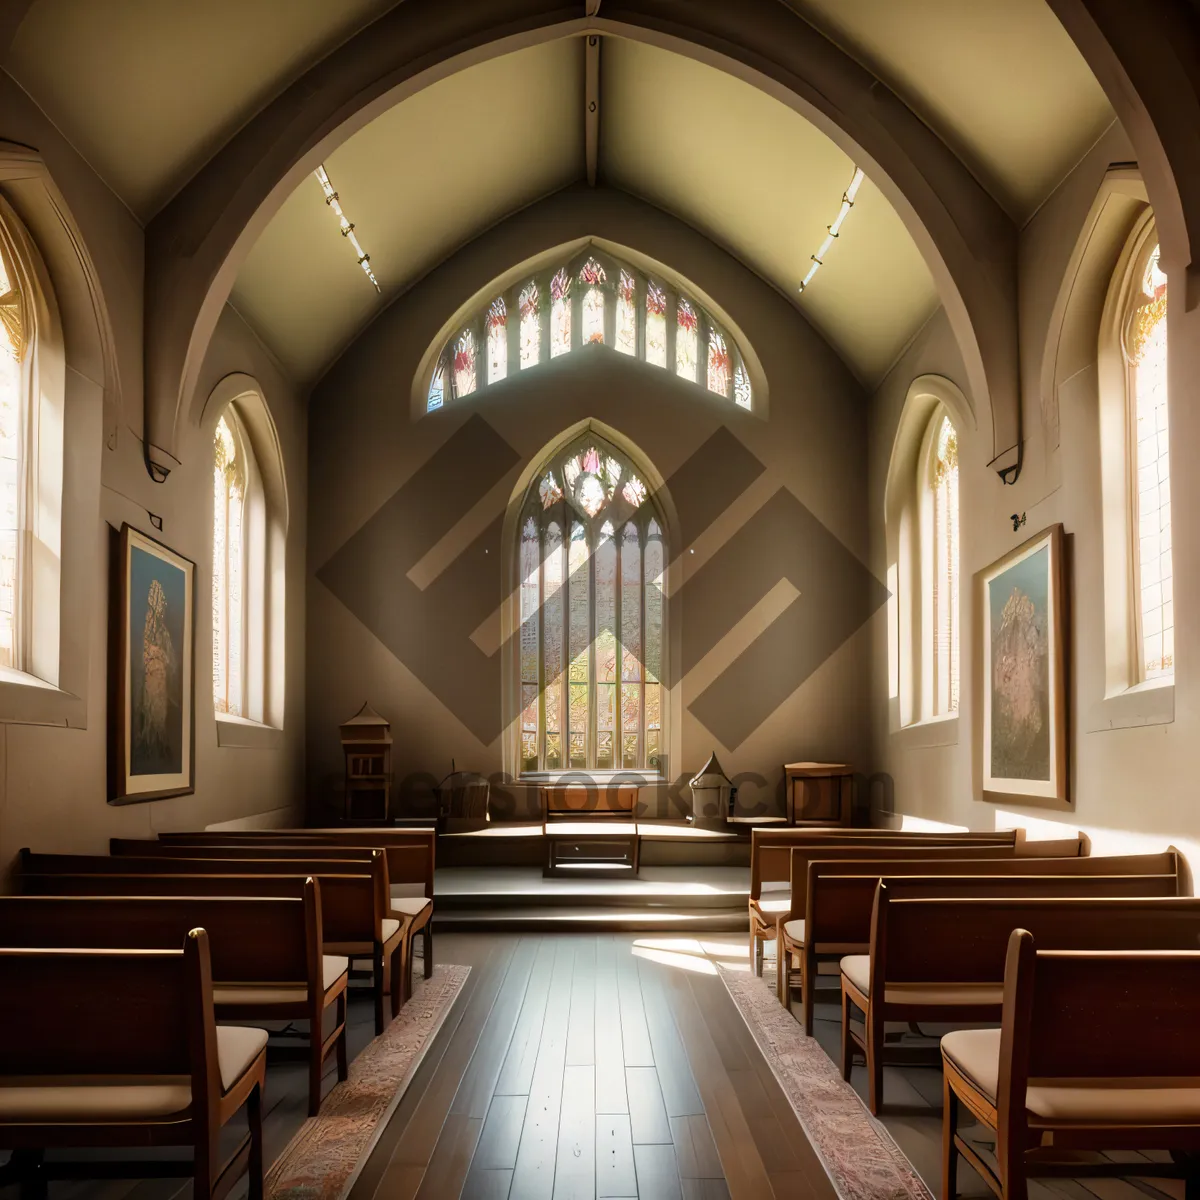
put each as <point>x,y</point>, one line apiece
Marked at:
<point>147,91</point>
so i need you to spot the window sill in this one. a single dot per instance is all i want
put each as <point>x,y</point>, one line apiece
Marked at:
<point>586,778</point>
<point>1150,703</point>
<point>936,731</point>
<point>27,700</point>
<point>240,733</point>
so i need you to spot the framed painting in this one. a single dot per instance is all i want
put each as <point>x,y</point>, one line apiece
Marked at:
<point>154,734</point>
<point>1024,683</point>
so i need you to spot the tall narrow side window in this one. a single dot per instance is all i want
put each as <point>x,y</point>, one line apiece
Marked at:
<point>229,489</point>
<point>1151,468</point>
<point>12,421</point>
<point>945,570</point>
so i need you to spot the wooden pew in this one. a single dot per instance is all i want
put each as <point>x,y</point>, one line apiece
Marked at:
<point>771,868</point>
<point>411,860</point>
<point>265,953</point>
<point>354,897</point>
<point>840,919</point>
<point>76,1020</point>
<point>1095,1052</point>
<point>943,959</point>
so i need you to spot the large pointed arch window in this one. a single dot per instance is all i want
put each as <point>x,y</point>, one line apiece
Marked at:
<point>229,561</point>
<point>13,407</point>
<point>592,557</point>
<point>944,544</point>
<point>593,300</point>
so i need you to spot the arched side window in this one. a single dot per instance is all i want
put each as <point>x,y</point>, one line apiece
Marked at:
<point>13,409</point>
<point>593,300</point>
<point>591,559</point>
<point>1135,469</point>
<point>1150,467</point>
<point>249,534</point>
<point>944,556</point>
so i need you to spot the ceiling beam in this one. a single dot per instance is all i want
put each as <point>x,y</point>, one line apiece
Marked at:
<point>195,246</point>
<point>591,104</point>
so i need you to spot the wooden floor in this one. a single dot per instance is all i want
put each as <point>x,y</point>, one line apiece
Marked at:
<point>580,1066</point>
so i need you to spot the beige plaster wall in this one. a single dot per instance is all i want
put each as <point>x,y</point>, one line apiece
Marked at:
<point>52,779</point>
<point>1130,787</point>
<point>365,443</point>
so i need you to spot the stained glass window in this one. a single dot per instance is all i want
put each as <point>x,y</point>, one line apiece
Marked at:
<point>741,387</point>
<point>945,570</point>
<point>720,365</point>
<point>598,646</point>
<point>560,313</point>
<point>11,408</point>
<point>228,594</point>
<point>656,325</point>
<point>437,389</point>
<point>496,325</point>
<point>687,338</point>
<point>1152,467</point>
<point>592,278</point>
<point>531,325</point>
<point>464,364</point>
<point>627,313</point>
<point>546,311</point>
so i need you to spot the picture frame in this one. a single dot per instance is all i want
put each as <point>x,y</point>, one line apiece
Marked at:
<point>153,727</point>
<point>1023,676</point>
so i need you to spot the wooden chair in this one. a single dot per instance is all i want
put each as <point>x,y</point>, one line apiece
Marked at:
<point>943,959</point>
<point>107,1048</point>
<point>837,920</point>
<point>1096,1051</point>
<point>354,895</point>
<point>265,953</point>
<point>771,868</point>
<point>411,862</point>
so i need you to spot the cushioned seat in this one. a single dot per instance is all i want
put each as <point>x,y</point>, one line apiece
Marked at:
<point>795,930</point>
<point>411,906</point>
<point>67,1100</point>
<point>976,1054</point>
<point>333,967</point>
<point>857,969</point>
<point>774,904</point>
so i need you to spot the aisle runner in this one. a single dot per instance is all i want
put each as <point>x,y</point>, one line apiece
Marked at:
<point>857,1152</point>
<point>324,1158</point>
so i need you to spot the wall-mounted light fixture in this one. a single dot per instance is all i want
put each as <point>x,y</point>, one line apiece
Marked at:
<point>832,231</point>
<point>347,228</point>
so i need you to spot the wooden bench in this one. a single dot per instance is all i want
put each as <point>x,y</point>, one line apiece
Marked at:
<point>354,894</point>
<point>771,868</point>
<point>411,863</point>
<point>109,1048</point>
<point>1095,1052</point>
<point>265,953</point>
<point>943,960</point>
<point>838,916</point>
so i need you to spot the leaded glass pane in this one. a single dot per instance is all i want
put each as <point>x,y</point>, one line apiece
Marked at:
<point>549,490</point>
<point>631,637</point>
<point>687,339</point>
<point>654,606</point>
<point>496,325</point>
<point>464,364</point>
<point>593,278</point>
<point>720,367</point>
<point>228,558</point>
<point>627,313</point>
<point>552,642</point>
<point>560,314</point>
<point>10,470</point>
<point>437,389</point>
<point>945,582</point>
<point>634,491</point>
<point>656,325</point>
<point>742,392</point>
<point>529,605</point>
<point>531,325</point>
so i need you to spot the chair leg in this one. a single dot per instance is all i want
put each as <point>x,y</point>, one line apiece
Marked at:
<point>377,987</point>
<point>340,1045</point>
<point>427,950</point>
<point>949,1150</point>
<point>399,974</point>
<point>780,971</point>
<point>808,989</point>
<point>847,1045</point>
<point>316,1063</point>
<point>254,1168</point>
<point>755,959</point>
<point>874,1039</point>
<point>760,947</point>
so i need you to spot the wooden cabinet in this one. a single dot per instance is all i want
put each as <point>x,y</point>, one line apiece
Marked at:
<point>819,793</point>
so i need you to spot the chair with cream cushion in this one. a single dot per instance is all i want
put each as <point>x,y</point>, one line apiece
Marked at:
<point>148,1066</point>
<point>265,952</point>
<point>1097,1051</point>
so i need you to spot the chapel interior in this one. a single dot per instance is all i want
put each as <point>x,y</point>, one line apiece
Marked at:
<point>587,599</point>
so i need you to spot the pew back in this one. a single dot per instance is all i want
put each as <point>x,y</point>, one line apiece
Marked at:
<point>965,940</point>
<point>61,884</point>
<point>138,848</point>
